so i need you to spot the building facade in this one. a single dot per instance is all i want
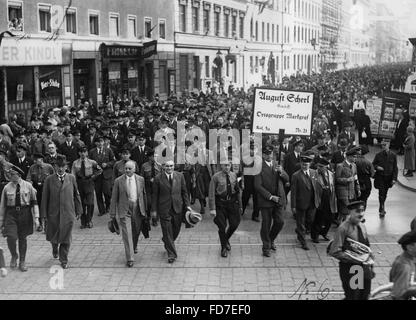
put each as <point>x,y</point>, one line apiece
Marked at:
<point>92,50</point>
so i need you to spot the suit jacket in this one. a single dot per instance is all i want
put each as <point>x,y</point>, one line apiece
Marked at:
<point>350,138</point>
<point>291,164</point>
<point>120,199</point>
<point>107,157</point>
<point>71,152</point>
<point>140,157</point>
<point>337,158</point>
<point>165,197</point>
<point>25,165</point>
<point>332,192</point>
<point>346,190</point>
<point>269,183</point>
<point>302,191</point>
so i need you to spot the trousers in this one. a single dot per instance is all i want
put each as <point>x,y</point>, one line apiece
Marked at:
<point>227,212</point>
<point>63,250</point>
<point>171,227</point>
<point>271,225</point>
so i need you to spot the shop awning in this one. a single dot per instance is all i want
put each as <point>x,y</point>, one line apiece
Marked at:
<point>116,51</point>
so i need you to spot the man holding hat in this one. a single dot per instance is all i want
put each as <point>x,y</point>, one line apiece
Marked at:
<point>385,164</point>
<point>271,199</point>
<point>129,208</point>
<point>352,228</point>
<point>305,198</point>
<point>61,205</point>
<point>403,270</point>
<point>37,174</point>
<point>346,182</point>
<point>19,212</point>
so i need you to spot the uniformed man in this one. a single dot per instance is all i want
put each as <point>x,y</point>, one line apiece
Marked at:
<point>52,155</point>
<point>149,171</point>
<point>85,171</point>
<point>4,167</point>
<point>22,161</point>
<point>353,229</point>
<point>37,175</point>
<point>403,270</point>
<point>19,212</point>
<point>385,164</point>
<point>225,204</point>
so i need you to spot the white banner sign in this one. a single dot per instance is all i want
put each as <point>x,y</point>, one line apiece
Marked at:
<point>280,109</point>
<point>30,52</point>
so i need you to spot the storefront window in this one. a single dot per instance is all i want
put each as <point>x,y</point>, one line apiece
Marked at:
<point>133,76</point>
<point>114,79</point>
<point>50,83</point>
<point>20,85</point>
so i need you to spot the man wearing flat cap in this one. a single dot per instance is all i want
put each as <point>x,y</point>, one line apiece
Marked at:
<point>19,213</point>
<point>353,228</point>
<point>61,205</point>
<point>346,183</point>
<point>305,198</point>
<point>403,270</point>
<point>385,164</point>
<point>37,174</point>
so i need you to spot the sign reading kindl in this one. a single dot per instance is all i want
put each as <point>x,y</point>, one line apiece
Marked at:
<point>30,53</point>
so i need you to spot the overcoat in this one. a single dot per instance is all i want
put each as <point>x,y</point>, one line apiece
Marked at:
<point>61,204</point>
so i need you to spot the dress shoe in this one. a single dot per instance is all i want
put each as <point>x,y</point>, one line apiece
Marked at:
<point>382,215</point>
<point>90,225</point>
<point>135,251</point>
<point>171,260</point>
<point>326,238</point>
<point>202,210</point>
<point>315,240</point>
<point>266,254</point>
<point>39,229</point>
<point>130,264</point>
<point>228,246</point>
<point>64,265</point>
<point>22,266</point>
<point>224,253</point>
<point>55,254</point>
<point>256,219</point>
<point>154,223</point>
<point>305,247</point>
<point>13,262</point>
<point>3,272</point>
<point>273,247</point>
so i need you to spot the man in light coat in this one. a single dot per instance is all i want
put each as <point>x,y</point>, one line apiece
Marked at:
<point>61,205</point>
<point>129,207</point>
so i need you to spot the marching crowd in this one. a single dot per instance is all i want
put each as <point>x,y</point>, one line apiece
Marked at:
<point>124,155</point>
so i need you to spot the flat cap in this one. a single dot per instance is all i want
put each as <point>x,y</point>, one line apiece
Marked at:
<point>356,205</point>
<point>408,238</point>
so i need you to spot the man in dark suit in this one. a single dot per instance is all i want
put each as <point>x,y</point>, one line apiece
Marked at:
<point>385,165</point>
<point>169,200</point>
<point>140,153</point>
<point>305,198</point>
<point>271,199</point>
<point>22,161</point>
<point>69,149</point>
<point>292,160</point>
<point>339,156</point>
<point>400,133</point>
<point>91,136</point>
<point>103,183</point>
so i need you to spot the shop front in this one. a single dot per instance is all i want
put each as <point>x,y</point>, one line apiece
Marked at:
<point>34,71</point>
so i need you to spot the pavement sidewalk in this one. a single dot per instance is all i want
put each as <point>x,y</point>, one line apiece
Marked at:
<point>405,182</point>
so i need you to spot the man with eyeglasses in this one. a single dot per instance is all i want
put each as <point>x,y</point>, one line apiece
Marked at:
<point>353,229</point>
<point>169,200</point>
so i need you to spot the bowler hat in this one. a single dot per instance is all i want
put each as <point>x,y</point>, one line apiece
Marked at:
<point>193,217</point>
<point>61,161</point>
<point>113,226</point>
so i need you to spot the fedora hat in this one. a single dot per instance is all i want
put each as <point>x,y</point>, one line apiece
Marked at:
<point>113,226</point>
<point>193,217</point>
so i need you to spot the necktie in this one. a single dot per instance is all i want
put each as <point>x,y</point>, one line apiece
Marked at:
<point>153,170</point>
<point>325,179</point>
<point>62,179</point>
<point>83,172</point>
<point>130,187</point>
<point>170,180</point>
<point>228,186</point>
<point>17,199</point>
